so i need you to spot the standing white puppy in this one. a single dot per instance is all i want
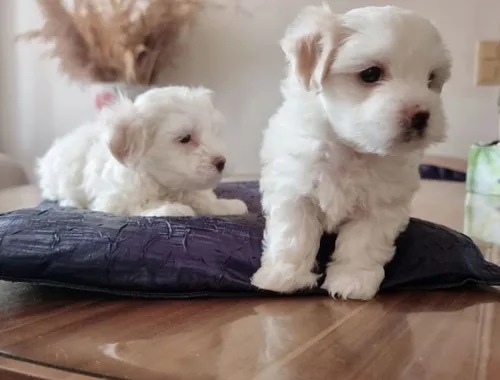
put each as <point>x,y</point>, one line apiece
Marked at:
<point>361,102</point>
<point>158,156</point>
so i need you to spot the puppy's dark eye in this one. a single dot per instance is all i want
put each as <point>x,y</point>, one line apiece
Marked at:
<point>185,140</point>
<point>371,75</point>
<point>431,78</point>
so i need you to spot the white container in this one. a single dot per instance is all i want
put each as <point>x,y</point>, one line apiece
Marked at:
<point>482,217</point>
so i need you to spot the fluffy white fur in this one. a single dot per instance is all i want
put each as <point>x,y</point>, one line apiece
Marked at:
<point>342,155</point>
<point>160,155</point>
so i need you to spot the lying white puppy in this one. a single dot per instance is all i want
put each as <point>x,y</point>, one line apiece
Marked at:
<point>160,155</point>
<point>361,102</point>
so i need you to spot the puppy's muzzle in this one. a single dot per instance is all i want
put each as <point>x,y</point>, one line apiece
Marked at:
<point>415,121</point>
<point>220,164</point>
<point>419,121</point>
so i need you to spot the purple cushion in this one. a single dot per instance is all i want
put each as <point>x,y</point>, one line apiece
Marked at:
<point>433,172</point>
<point>201,256</point>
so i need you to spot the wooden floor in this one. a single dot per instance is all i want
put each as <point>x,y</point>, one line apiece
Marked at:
<point>438,335</point>
<point>48,333</point>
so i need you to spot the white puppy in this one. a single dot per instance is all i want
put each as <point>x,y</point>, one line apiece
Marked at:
<point>160,155</point>
<point>361,102</point>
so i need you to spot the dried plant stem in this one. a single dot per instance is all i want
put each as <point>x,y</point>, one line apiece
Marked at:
<point>126,41</point>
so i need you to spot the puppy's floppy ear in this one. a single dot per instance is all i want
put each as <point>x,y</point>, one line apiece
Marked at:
<point>128,136</point>
<point>309,44</point>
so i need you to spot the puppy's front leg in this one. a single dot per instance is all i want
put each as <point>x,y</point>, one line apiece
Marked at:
<point>127,204</point>
<point>291,241</point>
<point>229,207</point>
<point>168,209</point>
<point>207,203</point>
<point>362,249</point>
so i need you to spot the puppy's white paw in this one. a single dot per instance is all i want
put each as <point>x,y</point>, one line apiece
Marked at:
<point>283,278</point>
<point>235,207</point>
<point>347,281</point>
<point>68,203</point>
<point>174,210</point>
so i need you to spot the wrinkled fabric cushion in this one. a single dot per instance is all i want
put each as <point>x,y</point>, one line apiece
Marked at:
<point>202,256</point>
<point>433,172</point>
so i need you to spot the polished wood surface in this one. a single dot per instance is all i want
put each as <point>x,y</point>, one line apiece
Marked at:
<point>14,369</point>
<point>48,333</point>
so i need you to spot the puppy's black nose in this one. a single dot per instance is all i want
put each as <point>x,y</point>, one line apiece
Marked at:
<point>419,120</point>
<point>220,164</point>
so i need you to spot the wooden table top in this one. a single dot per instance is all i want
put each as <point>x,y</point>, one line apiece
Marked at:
<point>48,333</point>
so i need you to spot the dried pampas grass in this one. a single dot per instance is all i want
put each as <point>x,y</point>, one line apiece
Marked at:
<point>126,41</point>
